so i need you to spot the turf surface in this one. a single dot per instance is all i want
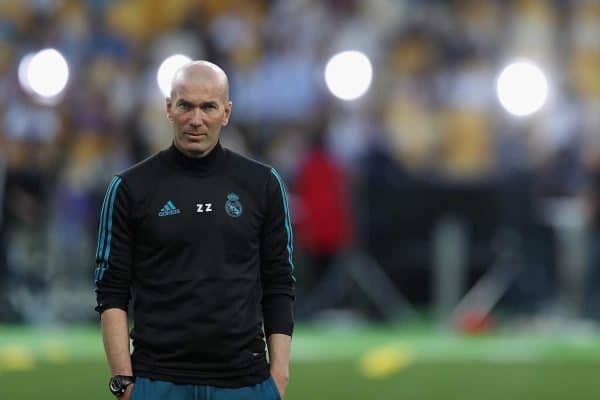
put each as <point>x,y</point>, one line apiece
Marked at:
<point>366,364</point>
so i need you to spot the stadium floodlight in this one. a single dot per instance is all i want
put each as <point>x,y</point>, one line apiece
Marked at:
<point>348,75</point>
<point>22,72</point>
<point>167,69</point>
<point>44,74</point>
<point>522,88</point>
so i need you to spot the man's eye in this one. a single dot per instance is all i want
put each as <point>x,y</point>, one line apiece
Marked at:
<point>183,106</point>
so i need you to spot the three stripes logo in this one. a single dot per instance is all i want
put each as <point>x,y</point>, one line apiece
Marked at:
<point>105,228</point>
<point>169,209</point>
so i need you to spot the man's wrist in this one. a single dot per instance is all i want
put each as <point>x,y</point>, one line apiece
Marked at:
<point>282,368</point>
<point>282,373</point>
<point>118,384</point>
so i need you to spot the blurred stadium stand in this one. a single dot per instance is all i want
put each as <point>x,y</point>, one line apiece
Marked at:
<point>428,144</point>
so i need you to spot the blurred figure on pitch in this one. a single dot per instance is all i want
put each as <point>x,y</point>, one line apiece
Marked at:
<point>324,224</point>
<point>592,281</point>
<point>3,266</point>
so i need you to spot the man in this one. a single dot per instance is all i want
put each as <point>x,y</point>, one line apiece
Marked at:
<point>201,238</point>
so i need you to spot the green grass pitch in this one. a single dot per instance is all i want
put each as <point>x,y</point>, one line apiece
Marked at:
<point>337,364</point>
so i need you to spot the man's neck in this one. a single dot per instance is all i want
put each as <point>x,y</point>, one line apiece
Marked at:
<point>193,154</point>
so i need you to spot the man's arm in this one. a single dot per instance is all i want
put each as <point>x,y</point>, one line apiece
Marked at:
<point>115,335</point>
<point>113,277</point>
<point>278,282</point>
<point>279,356</point>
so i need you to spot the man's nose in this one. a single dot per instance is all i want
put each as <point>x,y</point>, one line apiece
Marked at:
<point>197,117</point>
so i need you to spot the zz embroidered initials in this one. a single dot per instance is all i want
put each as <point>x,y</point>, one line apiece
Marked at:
<point>204,207</point>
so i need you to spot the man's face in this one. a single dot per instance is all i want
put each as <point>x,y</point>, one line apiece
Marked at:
<point>198,111</point>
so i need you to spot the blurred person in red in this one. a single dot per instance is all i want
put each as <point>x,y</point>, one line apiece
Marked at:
<point>324,222</point>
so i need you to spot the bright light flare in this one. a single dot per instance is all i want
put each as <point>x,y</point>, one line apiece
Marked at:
<point>522,88</point>
<point>348,75</point>
<point>167,70</point>
<point>23,71</point>
<point>44,74</point>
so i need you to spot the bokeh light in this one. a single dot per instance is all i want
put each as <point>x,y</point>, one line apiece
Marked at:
<point>348,75</point>
<point>167,69</point>
<point>522,88</point>
<point>44,74</point>
<point>23,71</point>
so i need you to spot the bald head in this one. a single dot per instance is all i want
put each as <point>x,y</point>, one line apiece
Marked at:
<point>200,74</point>
<point>198,107</point>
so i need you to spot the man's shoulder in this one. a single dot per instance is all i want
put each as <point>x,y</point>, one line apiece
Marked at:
<point>247,165</point>
<point>142,170</point>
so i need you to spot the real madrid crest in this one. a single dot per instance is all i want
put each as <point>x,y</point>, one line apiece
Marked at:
<point>233,206</point>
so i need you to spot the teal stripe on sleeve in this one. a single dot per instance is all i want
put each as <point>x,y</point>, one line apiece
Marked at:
<point>101,226</point>
<point>288,225</point>
<point>110,213</point>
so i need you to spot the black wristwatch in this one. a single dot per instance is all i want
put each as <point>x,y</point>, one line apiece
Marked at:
<point>119,383</point>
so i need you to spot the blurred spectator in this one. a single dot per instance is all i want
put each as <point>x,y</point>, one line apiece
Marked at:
<point>592,281</point>
<point>3,264</point>
<point>324,224</point>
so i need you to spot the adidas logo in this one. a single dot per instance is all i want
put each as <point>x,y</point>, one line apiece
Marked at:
<point>169,209</point>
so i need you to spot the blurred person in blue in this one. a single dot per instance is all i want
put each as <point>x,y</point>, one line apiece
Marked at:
<point>199,239</point>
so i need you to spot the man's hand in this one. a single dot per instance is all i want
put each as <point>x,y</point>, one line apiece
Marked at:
<point>127,394</point>
<point>279,358</point>
<point>281,378</point>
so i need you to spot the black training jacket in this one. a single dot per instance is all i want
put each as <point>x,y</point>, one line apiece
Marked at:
<point>203,248</point>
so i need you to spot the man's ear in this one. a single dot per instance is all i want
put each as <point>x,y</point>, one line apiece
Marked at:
<point>168,108</point>
<point>227,113</point>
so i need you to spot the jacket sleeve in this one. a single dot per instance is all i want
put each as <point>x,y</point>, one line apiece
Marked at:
<point>114,255</point>
<point>277,268</point>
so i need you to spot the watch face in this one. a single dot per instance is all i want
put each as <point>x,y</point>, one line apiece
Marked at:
<point>115,385</point>
<point>118,383</point>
